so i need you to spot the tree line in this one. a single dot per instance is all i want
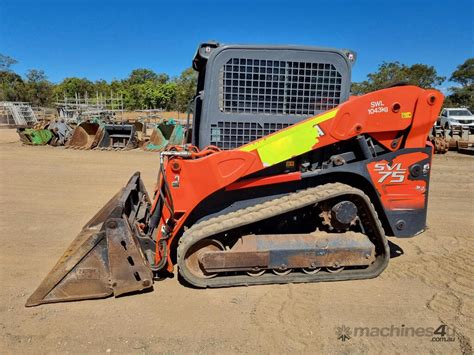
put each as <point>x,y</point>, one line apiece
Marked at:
<point>142,89</point>
<point>425,76</point>
<point>145,89</point>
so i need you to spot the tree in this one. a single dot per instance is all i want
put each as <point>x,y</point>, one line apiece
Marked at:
<point>70,86</point>
<point>102,87</point>
<point>12,87</point>
<point>36,76</point>
<point>424,76</point>
<point>462,95</point>
<point>166,97</point>
<point>39,91</point>
<point>185,89</point>
<point>390,73</point>
<point>464,74</point>
<point>150,95</point>
<point>162,78</point>
<point>6,62</point>
<point>141,76</point>
<point>116,85</point>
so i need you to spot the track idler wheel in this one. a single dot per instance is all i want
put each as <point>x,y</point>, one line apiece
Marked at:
<point>194,260</point>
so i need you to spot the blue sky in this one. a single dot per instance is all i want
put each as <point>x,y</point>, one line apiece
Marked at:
<point>107,39</point>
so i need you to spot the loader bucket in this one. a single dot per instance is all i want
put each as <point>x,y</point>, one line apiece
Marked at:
<point>118,136</point>
<point>106,257</point>
<point>84,136</point>
<point>139,127</point>
<point>140,131</point>
<point>33,136</point>
<point>165,134</point>
<point>157,141</point>
<point>177,136</point>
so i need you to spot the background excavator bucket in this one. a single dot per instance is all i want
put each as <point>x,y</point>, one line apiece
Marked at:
<point>34,136</point>
<point>165,134</point>
<point>106,257</point>
<point>84,136</point>
<point>177,136</point>
<point>139,127</point>
<point>140,131</point>
<point>157,141</point>
<point>118,136</point>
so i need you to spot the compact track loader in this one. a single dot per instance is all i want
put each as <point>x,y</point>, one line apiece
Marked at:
<point>311,202</point>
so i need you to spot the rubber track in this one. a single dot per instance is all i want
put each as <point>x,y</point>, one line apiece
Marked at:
<point>268,209</point>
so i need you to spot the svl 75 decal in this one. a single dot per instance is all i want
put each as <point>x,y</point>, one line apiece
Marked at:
<point>394,173</point>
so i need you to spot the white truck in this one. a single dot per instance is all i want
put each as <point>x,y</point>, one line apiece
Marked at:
<point>455,118</point>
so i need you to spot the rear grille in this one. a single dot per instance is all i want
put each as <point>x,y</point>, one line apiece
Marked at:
<point>278,87</point>
<point>230,135</point>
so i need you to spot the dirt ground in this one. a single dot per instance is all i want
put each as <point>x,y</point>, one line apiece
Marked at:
<point>47,194</point>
